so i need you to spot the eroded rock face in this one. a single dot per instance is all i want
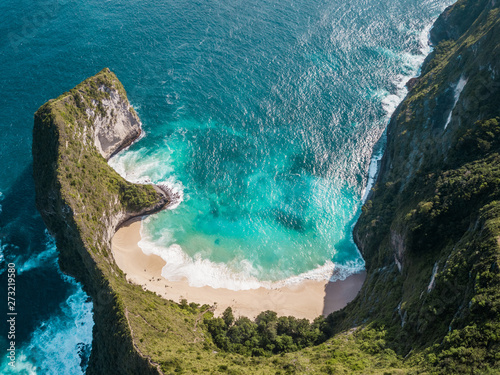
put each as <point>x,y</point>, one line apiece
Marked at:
<point>398,244</point>
<point>429,230</point>
<point>117,127</point>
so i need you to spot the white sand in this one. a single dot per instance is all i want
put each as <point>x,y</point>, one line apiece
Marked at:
<point>308,299</point>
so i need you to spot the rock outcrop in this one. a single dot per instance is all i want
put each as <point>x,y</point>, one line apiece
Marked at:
<point>82,201</point>
<point>429,230</point>
<point>116,126</point>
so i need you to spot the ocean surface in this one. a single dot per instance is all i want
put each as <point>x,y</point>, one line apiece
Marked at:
<point>263,115</point>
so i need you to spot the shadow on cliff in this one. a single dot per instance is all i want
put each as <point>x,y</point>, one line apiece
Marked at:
<point>23,241</point>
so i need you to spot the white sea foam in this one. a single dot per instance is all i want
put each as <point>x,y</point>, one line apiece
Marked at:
<point>237,275</point>
<point>23,366</point>
<point>329,271</point>
<point>390,102</point>
<point>135,166</point>
<point>44,258</point>
<point>61,344</point>
<point>2,252</point>
<point>140,169</point>
<point>202,272</point>
<point>343,271</point>
<point>174,190</point>
<point>372,172</point>
<point>424,40</point>
<point>3,263</point>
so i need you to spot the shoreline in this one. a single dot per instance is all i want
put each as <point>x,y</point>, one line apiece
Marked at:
<point>308,299</point>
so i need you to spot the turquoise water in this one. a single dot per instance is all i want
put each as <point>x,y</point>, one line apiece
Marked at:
<point>262,113</point>
<point>265,118</point>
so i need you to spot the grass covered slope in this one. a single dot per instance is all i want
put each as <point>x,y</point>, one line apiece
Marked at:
<point>430,230</point>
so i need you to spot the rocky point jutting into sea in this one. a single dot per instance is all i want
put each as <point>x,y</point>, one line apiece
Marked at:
<point>428,232</point>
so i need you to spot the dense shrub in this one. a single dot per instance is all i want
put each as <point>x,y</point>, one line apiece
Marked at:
<point>267,335</point>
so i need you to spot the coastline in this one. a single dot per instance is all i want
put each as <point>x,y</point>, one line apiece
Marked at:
<point>308,299</point>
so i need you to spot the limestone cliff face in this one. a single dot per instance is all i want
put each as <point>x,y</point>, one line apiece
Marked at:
<point>82,201</point>
<point>117,126</point>
<point>427,231</point>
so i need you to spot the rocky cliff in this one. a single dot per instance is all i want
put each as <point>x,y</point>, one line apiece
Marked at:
<point>82,201</point>
<point>430,229</point>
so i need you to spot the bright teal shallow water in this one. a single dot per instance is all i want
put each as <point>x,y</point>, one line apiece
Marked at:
<point>265,118</point>
<point>262,113</point>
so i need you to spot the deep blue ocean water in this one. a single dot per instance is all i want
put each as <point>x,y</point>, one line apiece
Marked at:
<point>263,114</point>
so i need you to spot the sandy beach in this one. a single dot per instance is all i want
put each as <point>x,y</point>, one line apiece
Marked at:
<point>308,299</point>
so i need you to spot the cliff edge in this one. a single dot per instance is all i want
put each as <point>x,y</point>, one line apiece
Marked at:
<point>430,230</point>
<point>82,201</point>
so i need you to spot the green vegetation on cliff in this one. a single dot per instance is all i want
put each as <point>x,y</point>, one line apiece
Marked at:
<point>430,231</point>
<point>267,335</point>
<point>66,156</point>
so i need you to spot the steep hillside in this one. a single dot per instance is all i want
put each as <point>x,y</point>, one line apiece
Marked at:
<point>430,229</point>
<point>82,201</point>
